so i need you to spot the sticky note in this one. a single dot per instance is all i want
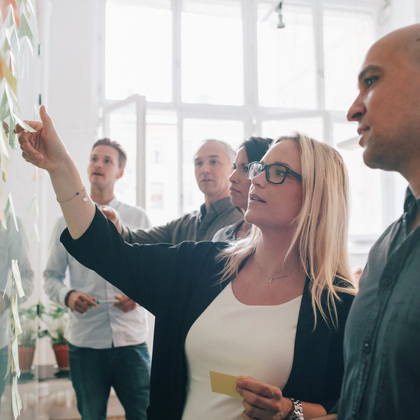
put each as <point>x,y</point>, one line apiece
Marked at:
<point>18,327</point>
<point>7,74</point>
<point>23,124</point>
<point>16,400</point>
<point>3,143</point>
<point>17,277</point>
<point>224,384</point>
<point>12,208</point>
<point>36,234</point>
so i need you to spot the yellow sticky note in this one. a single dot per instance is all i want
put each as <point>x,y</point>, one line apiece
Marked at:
<point>224,384</point>
<point>6,73</point>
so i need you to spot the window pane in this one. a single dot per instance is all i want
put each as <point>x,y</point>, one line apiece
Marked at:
<point>162,168</point>
<point>286,59</point>
<point>123,129</point>
<point>365,186</point>
<point>138,56</point>
<point>212,57</point>
<point>312,127</point>
<point>347,38</point>
<point>195,131</point>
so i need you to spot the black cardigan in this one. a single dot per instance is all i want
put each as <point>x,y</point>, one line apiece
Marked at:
<point>177,283</point>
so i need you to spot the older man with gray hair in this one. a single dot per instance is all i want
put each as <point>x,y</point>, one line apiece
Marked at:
<point>213,165</point>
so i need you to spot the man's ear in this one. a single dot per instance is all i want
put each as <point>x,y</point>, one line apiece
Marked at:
<point>120,173</point>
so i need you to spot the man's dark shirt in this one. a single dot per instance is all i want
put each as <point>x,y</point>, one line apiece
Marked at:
<point>196,226</point>
<point>382,339</point>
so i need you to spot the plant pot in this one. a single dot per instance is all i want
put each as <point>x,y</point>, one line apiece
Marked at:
<point>26,357</point>
<point>61,355</point>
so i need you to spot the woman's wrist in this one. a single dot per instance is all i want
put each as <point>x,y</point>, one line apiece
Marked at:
<point>289,409</point>
<point>297,411</point>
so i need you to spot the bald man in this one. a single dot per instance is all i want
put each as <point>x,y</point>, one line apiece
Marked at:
<point>382,339</point>
<point>213,165</point>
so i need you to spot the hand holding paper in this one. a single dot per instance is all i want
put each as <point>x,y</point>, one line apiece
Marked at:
<point>263,401</point>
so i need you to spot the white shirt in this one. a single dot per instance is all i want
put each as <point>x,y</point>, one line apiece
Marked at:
<point>240,340</point>
<point>104,325</point>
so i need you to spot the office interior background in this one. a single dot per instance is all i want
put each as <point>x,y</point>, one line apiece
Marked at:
<point>160,76</point>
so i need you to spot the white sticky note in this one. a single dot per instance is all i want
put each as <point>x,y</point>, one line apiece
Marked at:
<point>23,124</point>
<point>16,400</point>
<point>3,143</point>
<point>17,277</point>
<point>36,233</point>
<point>15,356</point>
<point>12,207</point>
<point>15,312</point>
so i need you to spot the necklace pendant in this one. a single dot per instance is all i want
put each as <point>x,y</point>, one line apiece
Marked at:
<point>271,279</point>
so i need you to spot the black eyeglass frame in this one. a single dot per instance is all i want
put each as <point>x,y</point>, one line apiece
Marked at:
<point>266,168</point>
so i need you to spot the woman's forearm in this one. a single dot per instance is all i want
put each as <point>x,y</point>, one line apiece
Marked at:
<point>75,202</point>
<point>311,411</point>
<point>43,148</point>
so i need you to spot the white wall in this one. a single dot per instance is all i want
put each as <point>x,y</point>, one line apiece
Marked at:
<point>73,104</point>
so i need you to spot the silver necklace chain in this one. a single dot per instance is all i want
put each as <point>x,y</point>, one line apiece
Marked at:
<point>274,278</point>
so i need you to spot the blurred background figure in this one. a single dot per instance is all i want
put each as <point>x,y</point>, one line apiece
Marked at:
<point>251,150</point>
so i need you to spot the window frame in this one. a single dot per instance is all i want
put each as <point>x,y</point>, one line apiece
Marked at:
<point>250,113</point>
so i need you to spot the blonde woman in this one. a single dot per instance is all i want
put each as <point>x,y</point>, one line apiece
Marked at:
<point>270,307</point>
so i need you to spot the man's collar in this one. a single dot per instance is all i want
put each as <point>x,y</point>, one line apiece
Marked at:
<point>410,201</point>
<point>218,207</point>
<point>113,203</point>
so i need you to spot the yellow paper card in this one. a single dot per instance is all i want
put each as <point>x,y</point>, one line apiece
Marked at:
<point>224,384</point>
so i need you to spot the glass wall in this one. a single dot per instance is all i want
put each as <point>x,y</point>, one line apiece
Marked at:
<point>19,217</point>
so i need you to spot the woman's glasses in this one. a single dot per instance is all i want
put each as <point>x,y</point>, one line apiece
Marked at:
<point>275,173</point>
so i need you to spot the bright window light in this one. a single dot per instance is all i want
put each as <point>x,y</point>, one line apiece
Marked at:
<point>138,49</point>
<point>347,37</point>
<point>212,56</point>
<point>286,59</point>
<point>282,127</point>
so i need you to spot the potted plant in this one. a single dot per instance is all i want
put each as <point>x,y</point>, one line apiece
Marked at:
<point>27,340</point>
<point>55,319</point>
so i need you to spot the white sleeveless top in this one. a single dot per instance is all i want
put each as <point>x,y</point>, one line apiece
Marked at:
<point>237,339</point>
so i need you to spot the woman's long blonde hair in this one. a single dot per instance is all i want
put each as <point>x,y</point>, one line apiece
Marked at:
<point>321,227</point>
